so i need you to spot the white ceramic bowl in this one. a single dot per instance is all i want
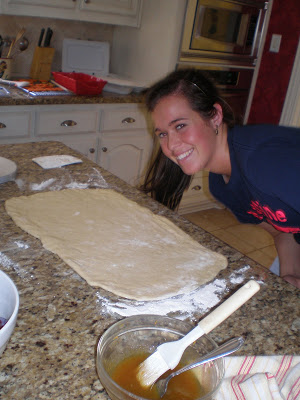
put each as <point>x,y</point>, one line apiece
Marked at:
<point>9,307</point>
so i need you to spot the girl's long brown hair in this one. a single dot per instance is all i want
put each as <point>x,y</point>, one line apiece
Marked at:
<point>164,179</point>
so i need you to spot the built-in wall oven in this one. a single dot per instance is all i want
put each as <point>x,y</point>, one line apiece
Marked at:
<point>223,38</point>
<point>228,30</point>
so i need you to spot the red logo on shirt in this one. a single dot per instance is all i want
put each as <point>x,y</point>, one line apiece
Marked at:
<point>260,211</point>
<point>272,217</point>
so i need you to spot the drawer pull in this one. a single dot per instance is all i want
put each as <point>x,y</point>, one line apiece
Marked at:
<point>68,122</point>
<point>104,149</point>
<point>197,187</point>
<point>92,150</point>
<point>128,120</point>
<point>2,125</point>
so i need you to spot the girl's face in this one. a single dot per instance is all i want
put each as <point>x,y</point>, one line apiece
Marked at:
<point>185,137</point>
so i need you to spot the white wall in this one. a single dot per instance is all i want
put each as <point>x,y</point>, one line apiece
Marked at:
<point>148,53</point>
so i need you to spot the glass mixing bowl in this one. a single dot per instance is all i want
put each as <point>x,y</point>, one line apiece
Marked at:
<point>144,333</point>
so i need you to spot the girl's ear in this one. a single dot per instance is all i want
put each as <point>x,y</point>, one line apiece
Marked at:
<point>218,117</point>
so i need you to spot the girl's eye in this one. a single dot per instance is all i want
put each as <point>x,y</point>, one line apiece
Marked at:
<point>180,126</point>
<point>161,135</point>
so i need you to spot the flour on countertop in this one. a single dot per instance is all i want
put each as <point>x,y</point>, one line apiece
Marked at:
<point>21,245</point>
<point>7,263</point>
<point>94,179</point>
<point>42,185</point>
<point>202,299</point>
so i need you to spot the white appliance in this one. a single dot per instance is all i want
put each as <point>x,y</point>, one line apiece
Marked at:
<point>92,57</point>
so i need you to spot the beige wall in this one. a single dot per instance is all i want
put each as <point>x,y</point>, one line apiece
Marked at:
<point>61,29</point>
<point>148,53</point>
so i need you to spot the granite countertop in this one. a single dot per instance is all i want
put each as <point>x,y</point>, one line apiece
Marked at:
<point>20,98</point>
<point>51,354</point>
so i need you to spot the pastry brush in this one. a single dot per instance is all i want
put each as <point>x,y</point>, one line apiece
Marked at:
<point>168,355</point>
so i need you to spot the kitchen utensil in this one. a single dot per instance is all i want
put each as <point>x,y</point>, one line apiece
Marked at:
<point>41,37</point>
<point>4,93</point>
<point>15,40</point>
<point>14,83</point>
<point>23,44</point>
<point>168,355</point>
<point>48,37</point>
<point>225,349</point>
<point>19,46</point>
<point>140,334</point>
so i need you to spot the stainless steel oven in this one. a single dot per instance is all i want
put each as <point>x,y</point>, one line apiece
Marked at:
<point>233,83</point>
<point>223,29</point>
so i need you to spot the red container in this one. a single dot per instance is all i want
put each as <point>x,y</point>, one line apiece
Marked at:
<point>79,83</point>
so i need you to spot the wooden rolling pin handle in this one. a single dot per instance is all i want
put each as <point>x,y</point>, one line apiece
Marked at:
<point>229,306</point>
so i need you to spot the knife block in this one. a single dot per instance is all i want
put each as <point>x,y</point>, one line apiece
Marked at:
<point>41,63</point>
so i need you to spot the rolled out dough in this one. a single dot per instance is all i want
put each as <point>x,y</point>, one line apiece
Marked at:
<point>114,243</point>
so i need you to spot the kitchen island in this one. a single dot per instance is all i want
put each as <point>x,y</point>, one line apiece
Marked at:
<point>51,354</point>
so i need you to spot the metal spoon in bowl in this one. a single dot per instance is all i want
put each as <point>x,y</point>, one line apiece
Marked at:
<point>227,348</point>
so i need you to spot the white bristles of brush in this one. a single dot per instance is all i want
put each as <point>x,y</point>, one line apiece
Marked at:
<point>168,355</point>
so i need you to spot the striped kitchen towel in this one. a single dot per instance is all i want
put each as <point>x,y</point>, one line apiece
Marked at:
<point>261,378</point>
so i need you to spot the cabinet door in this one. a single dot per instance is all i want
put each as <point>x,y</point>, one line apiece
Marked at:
<point>87,146</point>
<point>125,157</point>
<point>66,121</point>
<point>44,3</point>
<point>198,197</point>
<point>15,124</point>
<point>115,12</point>
<point>118,7</point>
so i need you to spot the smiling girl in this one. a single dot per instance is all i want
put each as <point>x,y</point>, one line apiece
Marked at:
<point>254,170</point>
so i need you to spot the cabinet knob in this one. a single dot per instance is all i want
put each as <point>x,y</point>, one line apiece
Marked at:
<point>104,149</point>
<point>197,187</point>
<point>68,122</point>
<point>128,120</point>
<point>2,125</point>
<point>92,150</point>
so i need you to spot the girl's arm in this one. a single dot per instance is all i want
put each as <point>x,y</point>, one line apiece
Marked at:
<point>288,252</point>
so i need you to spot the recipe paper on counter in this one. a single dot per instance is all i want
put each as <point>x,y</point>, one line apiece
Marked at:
<point>116,244</point>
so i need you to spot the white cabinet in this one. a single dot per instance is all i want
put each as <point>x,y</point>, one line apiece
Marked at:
<point>15,123</point>
<point>125,157</point>
<point>68,4</point>
<point>125,143</point>
<point>77,126</point>
<point>114,135</point>
<point>117,7</point>
<point>86,145</point>
<point>198,197</point>
<point>115,12</point>
<point>57,120</point>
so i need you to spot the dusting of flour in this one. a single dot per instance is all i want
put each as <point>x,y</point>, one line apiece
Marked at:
<point>65,181</point>
<point>200,300</point>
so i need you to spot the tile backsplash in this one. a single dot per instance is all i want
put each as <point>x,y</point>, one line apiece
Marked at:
<point>10,25</point>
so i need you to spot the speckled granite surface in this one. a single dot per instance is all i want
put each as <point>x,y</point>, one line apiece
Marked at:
<point>18,98</point>
<point>51,354</point>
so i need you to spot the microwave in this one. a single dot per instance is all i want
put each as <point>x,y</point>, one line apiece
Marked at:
<point>224,30</point>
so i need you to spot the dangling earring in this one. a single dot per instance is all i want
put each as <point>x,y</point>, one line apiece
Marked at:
<point>217,130</point>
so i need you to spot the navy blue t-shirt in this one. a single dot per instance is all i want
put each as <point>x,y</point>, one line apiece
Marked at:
<point>265,177</point>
